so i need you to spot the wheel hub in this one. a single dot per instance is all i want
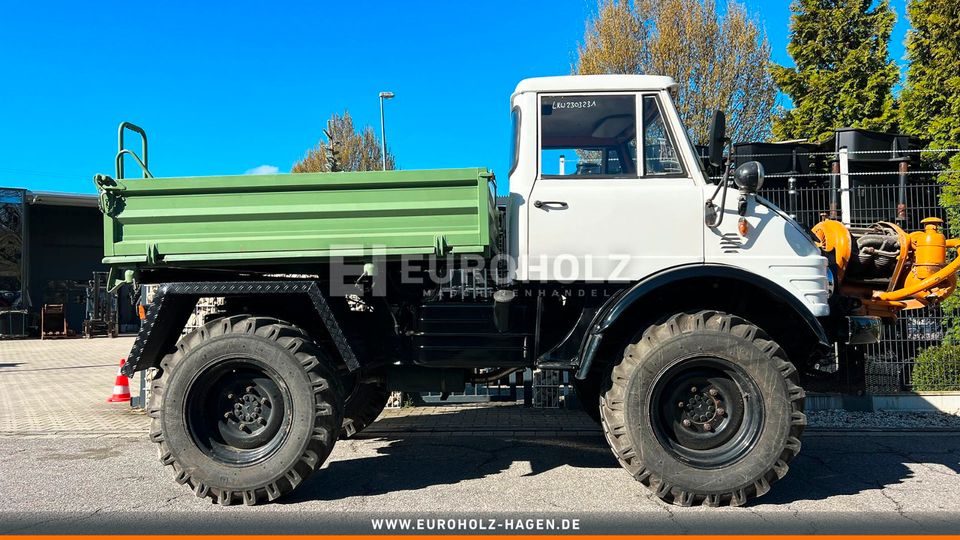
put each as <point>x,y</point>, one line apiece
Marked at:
<point>703,410</point>
<point>241,418</point>
<point>249,414</point>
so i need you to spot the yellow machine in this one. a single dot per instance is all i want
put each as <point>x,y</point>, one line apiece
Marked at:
<point>888,269</point>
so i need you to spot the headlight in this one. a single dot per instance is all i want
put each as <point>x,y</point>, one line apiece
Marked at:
<point>831,281</point>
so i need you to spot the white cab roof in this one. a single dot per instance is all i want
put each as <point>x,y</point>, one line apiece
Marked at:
<point>595,83</point>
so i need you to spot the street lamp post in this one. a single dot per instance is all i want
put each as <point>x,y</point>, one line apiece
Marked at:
<point>383,132</point>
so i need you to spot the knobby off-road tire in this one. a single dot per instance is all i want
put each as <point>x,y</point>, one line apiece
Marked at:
<point>704,409</point>
<point>362,407</point>
<point>256,372</point>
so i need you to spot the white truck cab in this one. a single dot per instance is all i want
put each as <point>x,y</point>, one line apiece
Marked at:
<point>606,186</point>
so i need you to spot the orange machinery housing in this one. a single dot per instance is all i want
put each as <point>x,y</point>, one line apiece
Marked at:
<point>896,271</point>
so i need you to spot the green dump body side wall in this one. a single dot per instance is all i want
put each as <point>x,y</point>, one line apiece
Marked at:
<point>304,218</point>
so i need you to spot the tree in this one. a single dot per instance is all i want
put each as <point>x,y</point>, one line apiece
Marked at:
<point>719,61</point>
<point>930,106</point>
<point>353,150</point>
<point>930,101</point>
<point>843,75</point>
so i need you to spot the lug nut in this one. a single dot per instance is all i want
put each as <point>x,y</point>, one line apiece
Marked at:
<point>681,404</point>
<point>250,389</point>
<point>687,422</point>
<point>708,426</point>
<point>693,389</point>
<point>713,392</point>
<point>262,421</point>
<point>227,415</point>
<point>721,411</point>
<point>264,401</point>
<point>244,428</point>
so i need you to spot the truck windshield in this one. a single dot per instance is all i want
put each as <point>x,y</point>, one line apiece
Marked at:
<point>589,135</point>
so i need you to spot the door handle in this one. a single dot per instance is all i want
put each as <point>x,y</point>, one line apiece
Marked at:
<point>559,204</point>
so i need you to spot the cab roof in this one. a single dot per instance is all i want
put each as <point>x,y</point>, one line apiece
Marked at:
<point>595,83</point>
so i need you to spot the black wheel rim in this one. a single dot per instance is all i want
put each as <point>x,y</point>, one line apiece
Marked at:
<point>236,411</point>
<point>706,411</point>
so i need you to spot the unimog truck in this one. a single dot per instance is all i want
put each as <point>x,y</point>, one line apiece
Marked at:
<point>691,316</point>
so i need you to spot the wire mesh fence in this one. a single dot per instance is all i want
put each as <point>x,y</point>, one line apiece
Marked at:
<point>868,204</point>
<point>904,191</point>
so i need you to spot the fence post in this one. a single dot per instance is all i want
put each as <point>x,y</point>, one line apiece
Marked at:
<point>792,195</point>
<point>844,156</point>
<point>903,169</point>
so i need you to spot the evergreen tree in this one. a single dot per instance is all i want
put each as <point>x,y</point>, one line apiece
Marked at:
<point>930,106</point>
<point>930,103</point>
<point>843,75</point>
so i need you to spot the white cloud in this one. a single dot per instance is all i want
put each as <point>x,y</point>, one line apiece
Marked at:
<point>264,169</point>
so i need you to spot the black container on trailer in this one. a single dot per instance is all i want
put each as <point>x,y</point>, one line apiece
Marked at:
<point>776,158</point>
<point>872,146</point>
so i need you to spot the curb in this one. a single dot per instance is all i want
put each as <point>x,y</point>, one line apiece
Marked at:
<point>946,402</point>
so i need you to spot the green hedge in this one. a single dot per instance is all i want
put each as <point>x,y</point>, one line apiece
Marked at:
<point>937,369</point>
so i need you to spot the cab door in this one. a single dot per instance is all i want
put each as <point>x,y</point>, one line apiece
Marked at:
<point>615,197</point>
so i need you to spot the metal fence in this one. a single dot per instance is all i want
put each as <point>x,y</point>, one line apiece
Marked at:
<point>869,204</point>
<point>889,364</point>
<point>861,196</point>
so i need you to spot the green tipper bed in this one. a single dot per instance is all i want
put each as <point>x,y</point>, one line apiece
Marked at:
<point>257,219</point>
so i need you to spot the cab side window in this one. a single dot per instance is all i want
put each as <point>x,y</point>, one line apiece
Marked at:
<point>588,136</point>
<point>660,156</point>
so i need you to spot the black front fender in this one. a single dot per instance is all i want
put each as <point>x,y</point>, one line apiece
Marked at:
<point>620,303</point>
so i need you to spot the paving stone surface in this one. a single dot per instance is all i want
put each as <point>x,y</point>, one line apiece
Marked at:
<point>50,387</point>
<point>62,386</point>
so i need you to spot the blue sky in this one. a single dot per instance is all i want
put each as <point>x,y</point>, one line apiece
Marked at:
<point>223,88</point>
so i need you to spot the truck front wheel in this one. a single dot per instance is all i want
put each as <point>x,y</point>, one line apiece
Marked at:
<point>704,409</point>
<point>245,409</point>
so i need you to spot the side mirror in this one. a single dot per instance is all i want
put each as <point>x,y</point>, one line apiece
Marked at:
<point>718,138</point>
<point>749,177</point>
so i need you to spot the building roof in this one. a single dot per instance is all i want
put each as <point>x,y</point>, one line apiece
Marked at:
<point>596,83</point>
<point>53,198</point>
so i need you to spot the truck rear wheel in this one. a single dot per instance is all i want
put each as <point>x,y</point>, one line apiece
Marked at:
<point>704,409</point>
<point>245,409</point>
<point>363,406</point>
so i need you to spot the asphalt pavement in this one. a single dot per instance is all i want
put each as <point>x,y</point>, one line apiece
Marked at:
<point>75,464</point>
<point>839,483</point>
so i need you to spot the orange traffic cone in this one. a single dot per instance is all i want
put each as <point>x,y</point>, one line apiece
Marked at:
<point>121,386</point>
